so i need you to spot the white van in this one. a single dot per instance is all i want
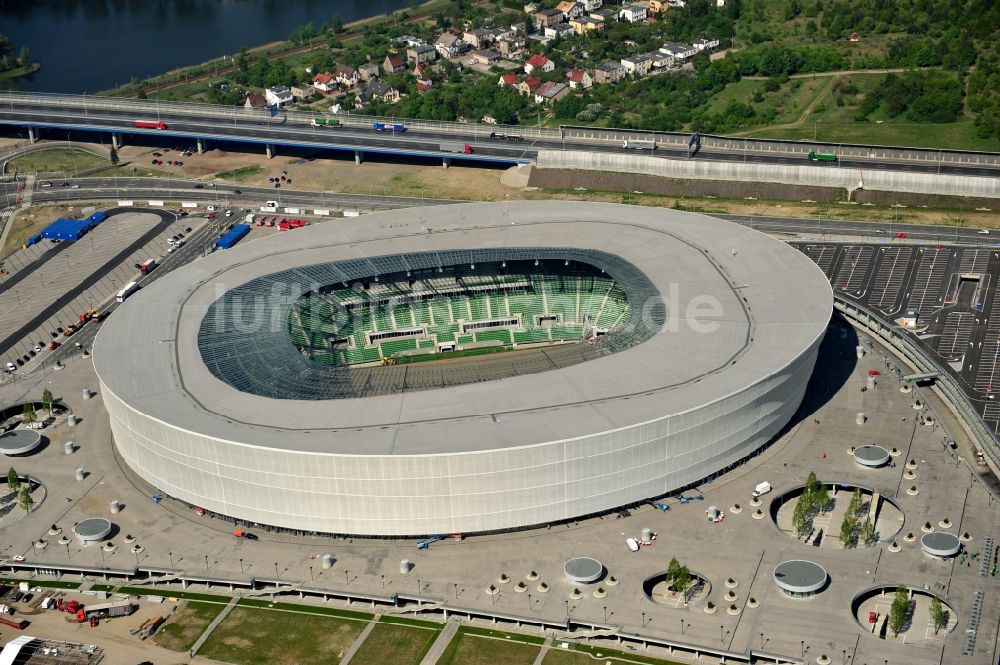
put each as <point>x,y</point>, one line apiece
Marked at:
<point>761,489</point>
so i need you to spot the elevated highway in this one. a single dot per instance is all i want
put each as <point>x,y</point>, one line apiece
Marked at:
<point>203,123</point>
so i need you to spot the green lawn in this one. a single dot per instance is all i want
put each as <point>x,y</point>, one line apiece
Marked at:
<point>741,91</point>
<point>186,625</point>
<point>579,654</point>
<point>307,609</point>
<point>250,636</point>
<point>469,649</point>
<point>170,593</point>
<point>396,644</point>
<point>240,174</point>
<point>57,160</point>
<point>959,135</point>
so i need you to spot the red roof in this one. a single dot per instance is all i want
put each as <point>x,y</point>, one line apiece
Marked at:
<point>532,83</point>
<point>396,61</point>
<point>537,60</point>
<point>424,85</point>
<point>575,75</point>
<point>510,78</point>
<point>323,78</point>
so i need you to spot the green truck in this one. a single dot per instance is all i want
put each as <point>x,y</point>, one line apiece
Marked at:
<point>325,122</point>
<point>821,156</point>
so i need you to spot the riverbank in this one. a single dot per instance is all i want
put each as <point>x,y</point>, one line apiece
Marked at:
<point>18,72</point>
<point>275,50</point>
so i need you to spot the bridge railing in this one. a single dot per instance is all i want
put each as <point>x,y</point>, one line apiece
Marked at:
<point>925,363</point>
<point>154,108</point>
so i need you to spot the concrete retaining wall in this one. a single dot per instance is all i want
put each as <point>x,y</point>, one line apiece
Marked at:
<point>816,176</point>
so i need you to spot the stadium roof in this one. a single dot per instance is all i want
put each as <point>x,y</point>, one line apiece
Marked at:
<point>773,303</point>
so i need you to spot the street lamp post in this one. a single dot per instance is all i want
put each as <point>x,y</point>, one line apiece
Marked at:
<point>276,575</point>
<point>419,585</point>
<point>310,573</point>
<point>383,582</point>
<point>241,566</point>
<point>721,638</point>
<point>456,590</point>
<point>605,614</point>
<point>529,602</point>
<point>206,562</point>
<point>347,578</point>
<point>644,623</point>
<point>171,555</point>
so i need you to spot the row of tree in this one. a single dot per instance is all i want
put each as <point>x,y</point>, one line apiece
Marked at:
<point>814,499</point>
<point>23,492</point>
<point>849,532</point>
<point>8,59</point>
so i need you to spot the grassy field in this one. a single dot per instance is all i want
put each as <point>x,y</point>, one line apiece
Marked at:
<point>169,593</point>
<point>306,609</point>
<point>469,649</point>
<point>395,643</point>
<point>58,160</point>
<point>240,174</point>
<point>28,223</point>
<point>579,654</point>
<point>251,636</point>
<point>186,625</point>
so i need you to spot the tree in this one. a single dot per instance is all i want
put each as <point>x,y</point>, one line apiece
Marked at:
<point>867,531</point>
<point>812,484</point>
<point>25,501</point>
<point>938,615</point>
<point>29,416</point>
<point>800,520</point>
<point>337,24</point>
<point>681,581</point>
<point>47,394</point>
<point>24,58</point>
<point>899,610</point>
<point>821,498</point>
<point>672,569</point>
<point>847,530</point>
<point>13,480</point>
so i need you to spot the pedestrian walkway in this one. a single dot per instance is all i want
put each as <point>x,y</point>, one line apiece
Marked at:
<point>359,641</point>
<point>215,624</point>
<point>544,650</point>
<point>440,644</point>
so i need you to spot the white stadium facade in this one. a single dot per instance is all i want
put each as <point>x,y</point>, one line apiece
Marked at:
<point>212,401</point>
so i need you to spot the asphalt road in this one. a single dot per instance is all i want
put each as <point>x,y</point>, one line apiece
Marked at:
<point>187,127</point>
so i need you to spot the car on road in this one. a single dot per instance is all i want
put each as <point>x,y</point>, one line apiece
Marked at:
<point>157,154</point>
<point>250,536</point>
<point>983,232</point>
<point>199,186</point>
<point>880,231</point>
<point>17,558</point>
<point>229,213</point>
<point>65,184</point>
<point>180,235</point>
<point>46,183</point>
<point>74,186</point>
<point>10,367</point>
<point>900,234</point>
<point>53,345</point>
<point>288,182</point>
<point>237,191</point>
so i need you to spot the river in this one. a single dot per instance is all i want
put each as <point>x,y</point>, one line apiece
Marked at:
<point>92,45</point>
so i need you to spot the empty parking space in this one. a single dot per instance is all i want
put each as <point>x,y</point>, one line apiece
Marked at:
<point>925,296</point>
<point>822,255</point>
<point>888,282</point>
<point>954,339</point>
<point>853,268</point>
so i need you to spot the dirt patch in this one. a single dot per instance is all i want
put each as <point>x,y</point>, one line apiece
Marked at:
<point>29,222</point>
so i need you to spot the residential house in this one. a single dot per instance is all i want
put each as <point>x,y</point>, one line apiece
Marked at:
<point>569,9</point>
<point>546,17</point>
<point>478,38</point>
<point>511,46</point>
<point>607,15</point>
<point>421,53</point>
<point>634,12</point>
<point>408,40</point>
<point>302,91</point>
<point>485,57</point>
<point>347,76</point>
<point>550,91</point>
<point>678,51</point>
<point>586,24</point>
<point>325,82</point>
<point>278,95</point>
<point>368,71</point>
<point>528,85</point>
<point>608,72</point>
<point>659,59</point>
<point>638,65</point>
<point>590,5</point>
<point>705,43</point>
<point>423,85</point>
<point>450,45</point>
<point>393,63</point>
<point>508,79</point>
<point>421,69</point>
<point>579,78</point>
<point>530,8</point>
<point>676,3</point>
<point>560,30</point>
<point>255,101</point>
<point>496,34</point>
<point>377,90</point>
<point>539,62</point>
<point>658,6</point>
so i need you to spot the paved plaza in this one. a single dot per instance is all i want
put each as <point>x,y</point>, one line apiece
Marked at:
<point>458,573</point>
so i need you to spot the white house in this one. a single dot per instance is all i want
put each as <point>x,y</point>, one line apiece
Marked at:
<point>639,65</point>
<point>560,30</point>
<point>278,95</point>
<point>579,78</point>
<point>705,43</point>
<point>539,62</point>
<point>679,51</point>
<point>634,12</point>
<point>590,5</point>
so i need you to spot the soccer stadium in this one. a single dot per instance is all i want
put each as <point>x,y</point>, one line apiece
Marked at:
<point>461,369</point>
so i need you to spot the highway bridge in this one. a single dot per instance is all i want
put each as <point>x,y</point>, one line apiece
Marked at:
<point>202,124</point>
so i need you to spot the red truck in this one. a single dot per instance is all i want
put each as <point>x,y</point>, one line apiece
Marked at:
<point>150,124</point>
<point>147,266</point>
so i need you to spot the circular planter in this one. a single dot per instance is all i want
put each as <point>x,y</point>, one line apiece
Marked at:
<point>823,660</point>
<point>895,452</point>
<point>755,502</point>
<point>54,530</point>
<point>850,451</point>
<point>758,514</point>
<point>733,610</point>
<point>965,537</point>
<point>543,588</point>
<point>909,538</point>
<point>911,465</point>
<point>909,475</point>
<point>600,593</point>
<point>731,583</point>
<point>752,603</point>
<point>905,388</point>
<point>41,544</point>
<point>912,491</point>
<point>109,547</point>
<point>63,540</point>
<point>492,590</point>
<point>894,546</point>
<point>503,579</point>
<point>711,609</point>
<point>521,587</point>
<point>612,581</point>
<point>730,596</point>
<point>532,576</point>
<point>576,594</point>
<point>926,528</point>
<point>137,549</point>
<point>945,523</point>
<point>129,539</point>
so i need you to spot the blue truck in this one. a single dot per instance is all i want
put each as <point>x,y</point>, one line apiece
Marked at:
<point>232,236</point>
<point>393,127</point>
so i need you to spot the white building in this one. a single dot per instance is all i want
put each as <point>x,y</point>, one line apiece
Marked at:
<point>278,95</point>
<point>634,12</point>
<point>679,51</point>
<point>705,43</point>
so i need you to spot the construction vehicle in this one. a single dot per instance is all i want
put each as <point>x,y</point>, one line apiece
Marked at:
<point>72,606</point>
<point>148,627</point>
<point>821,156</point>
<point>88,315</point>
<point>425,544</point>
<point>70,329</point>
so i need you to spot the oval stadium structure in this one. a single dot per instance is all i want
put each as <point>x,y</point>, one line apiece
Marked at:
<point>462,368</point>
